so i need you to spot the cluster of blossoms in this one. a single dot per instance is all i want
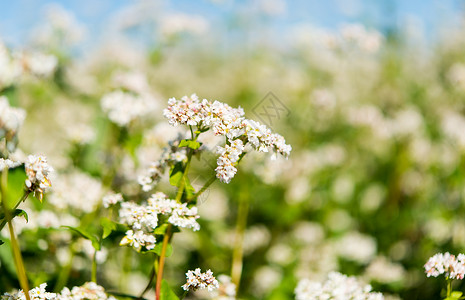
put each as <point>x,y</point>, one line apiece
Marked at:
<point>14,65</point>
<point>143,219</point>
<point>337,287</point>
<point>453,267</point>
<point>132,99</point>
<point>11,119</point>
<point>8,164</point>
<point>111,199</point>
<point>170,156</point>
<point>198,280</point>
<point>38,173</point>
<point>226,289</point>
<point>229,122</point>
<point>88,291</point>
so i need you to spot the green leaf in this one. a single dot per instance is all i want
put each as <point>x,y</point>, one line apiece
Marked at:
<point>160,230</point>
<point>2,242</point>
<point>158,248</point>
<point>17,212</point>
<point>194,145</point>
<point>108,227</point>
<point>176,173</point>
<point>16,179</point>
<point>166,293</point>
<point>21,213</point>
<point>87,235</point>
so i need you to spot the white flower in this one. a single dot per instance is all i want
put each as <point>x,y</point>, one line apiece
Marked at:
<point>138,240</point>
<point>35,294</point>
<point>8,164</point>
<point>138,216</point>
<point>112,199</point>
<point>229,122</point>
<point>453,267</point>
<point>337,287</point>
<point>122,107</point>
<point>183,216</point>
<point>198,280</point>
<point>11,118</point>
<point>38,173</point>
<point>88,291</point>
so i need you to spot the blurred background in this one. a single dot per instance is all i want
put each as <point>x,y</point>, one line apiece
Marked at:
<point>370,94</point>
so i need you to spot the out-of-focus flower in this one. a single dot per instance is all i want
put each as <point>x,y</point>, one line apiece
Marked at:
<point>124,107</point>
<point>11,119</point>
<point>111,199</point>
<point>8,164</point>
<point>337,286</point>
<point>198,280</point>
<point>88,291</point>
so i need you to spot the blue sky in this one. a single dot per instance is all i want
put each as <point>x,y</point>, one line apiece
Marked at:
<point>17,18</point>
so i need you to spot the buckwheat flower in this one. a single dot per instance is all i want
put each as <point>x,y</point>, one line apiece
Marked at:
<point>229,122</point>
<point>160,204</point>
<point>112,199</point>
<point>137,216</point>
<point>226,289</point>
<point>11,119</point>
<point>122,107</point>
<point>337,286</point>
<point>88,291</point>
<point>38,172</point>
<point>39,64</point>
<point>183,216</point>
<point>8,164</point>
<point>453,267</point>
<point>198,280</point>
<point>35,294</point>
<point>138,239</point>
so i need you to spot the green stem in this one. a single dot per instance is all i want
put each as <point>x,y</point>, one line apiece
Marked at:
<point>94,267</point>
<point>152,276</point>
<point>238,251</point>
<point>449,287</point>
<point>18,259</point>
<point>184,294</point>
<point>161,263</point>
<point>203,189</point>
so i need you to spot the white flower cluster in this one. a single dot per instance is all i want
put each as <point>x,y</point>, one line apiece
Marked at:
<point>68,193</point>
<point>229,122</point>
<point>337,287</point>
<point>198,280</point>
<point>111,199</point>
<point>39,64</point>
<point>226,289</point>
<point>35,293</point>
<point>38,173</point>
<point>229,156</point>
<point>8,164</point>
<point>11,119</point>
<point>170,156</point>
<point>10,69</point>
<point>88,291</point>
<point>124,107</point>
<point>143,219</point>
<point>453,267</point>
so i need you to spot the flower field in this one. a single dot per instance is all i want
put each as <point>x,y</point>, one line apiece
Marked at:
<point>168,162</point>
